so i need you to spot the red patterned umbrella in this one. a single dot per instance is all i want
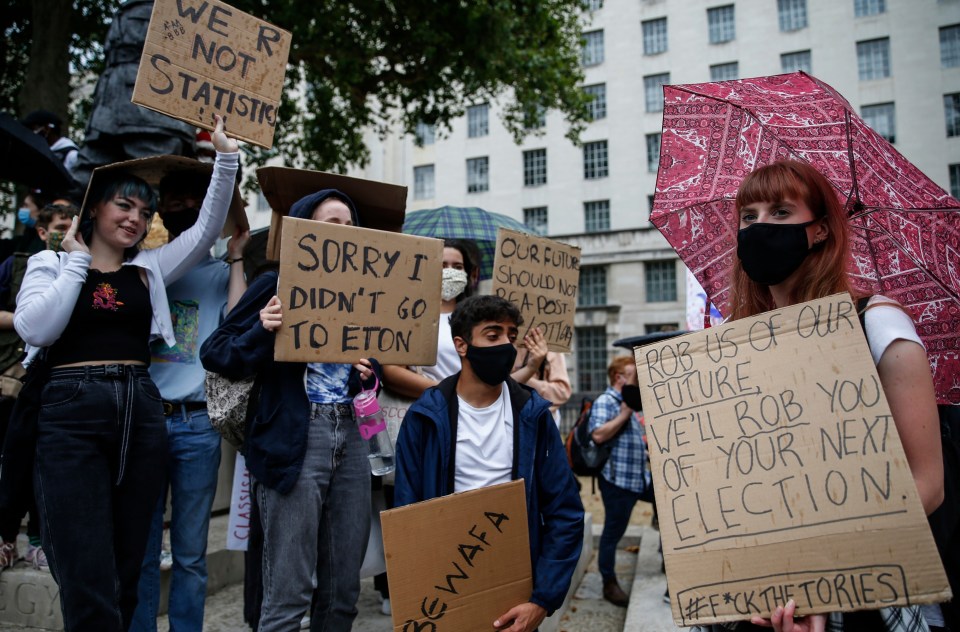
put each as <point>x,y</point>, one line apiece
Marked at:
<point>905,233</point>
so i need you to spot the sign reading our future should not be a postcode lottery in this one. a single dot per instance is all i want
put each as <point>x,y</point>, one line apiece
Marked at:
<point>203,57</point>
<point>778,470</point>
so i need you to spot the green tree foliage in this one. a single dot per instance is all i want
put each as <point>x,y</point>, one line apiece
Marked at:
<point>359,65</point>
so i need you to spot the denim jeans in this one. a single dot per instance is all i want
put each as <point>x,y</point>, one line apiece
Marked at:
<point>193,459</point>
<point>100,465</point>
<point>318,532</point>
<point>617,506</point>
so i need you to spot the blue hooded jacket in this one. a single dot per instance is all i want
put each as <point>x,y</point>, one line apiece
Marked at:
<point>426,454</point>
<point>276,438</point>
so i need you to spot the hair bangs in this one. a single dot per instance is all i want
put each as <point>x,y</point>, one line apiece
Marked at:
<point>771,183</point>
<point>129,187</point>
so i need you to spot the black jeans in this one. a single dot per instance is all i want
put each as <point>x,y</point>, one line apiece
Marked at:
<point>99,470</point>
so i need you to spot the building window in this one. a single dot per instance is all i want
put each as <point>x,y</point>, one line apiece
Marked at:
<point>863,8</point>
<point>598,106</point>
<point>951,109</point>
<point>725,72</point>
<point>950,46</point>
<point>478,175</point>
<point>653,152</point>
<point>792,14</point>
<point>800,60</point>
<point>536,219</point>
<point>593,286</point>
<point>596,216</point>
<point>722,25</point>
<point>478,120</point>
<point>592,5</point>
<point>423,182</point>
<point>595,163</point>
<point>653,91</point>
<point>534,167</point>
<point>591,359</point>
<point>882,119</point>
<point>537,119</point>
<point>661,281</point>
<point>955,181</point>
<point>873,58</point>
<point>654,36</point>
<point>593,48</point>
<point>426,133</point>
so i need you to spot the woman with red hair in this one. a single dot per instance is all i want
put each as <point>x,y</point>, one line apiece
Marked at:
<point>793,246</point>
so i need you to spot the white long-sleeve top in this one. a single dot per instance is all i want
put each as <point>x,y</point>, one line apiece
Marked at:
<point>53,280</point>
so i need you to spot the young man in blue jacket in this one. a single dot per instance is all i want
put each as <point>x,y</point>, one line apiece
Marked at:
<point>479,428</point>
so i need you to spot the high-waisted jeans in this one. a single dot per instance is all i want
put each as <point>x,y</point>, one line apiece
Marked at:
<point>319,530</point>
<point>100,465</point>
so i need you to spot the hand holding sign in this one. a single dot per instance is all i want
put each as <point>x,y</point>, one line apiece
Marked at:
<point>221,142</point>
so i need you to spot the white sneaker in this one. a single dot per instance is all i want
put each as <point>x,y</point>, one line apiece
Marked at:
<point>305,622</point>
<point>166,560</point>
<point>385,607</point>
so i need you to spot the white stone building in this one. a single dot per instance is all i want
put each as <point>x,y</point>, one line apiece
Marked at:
<point>896,61</point>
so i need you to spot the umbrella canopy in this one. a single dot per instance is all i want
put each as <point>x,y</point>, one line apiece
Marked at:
<point>26,159</point>
<point>905,229</point>
<point>456,222</point>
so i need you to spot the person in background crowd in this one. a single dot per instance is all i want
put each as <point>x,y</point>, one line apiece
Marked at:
<point>479,427</point>
<point>198,301</point>
<point>101,438</point>
<point>53,221</point>
<point>205,150</point>
<point>50,127</point>
<point>625,477</point>
<point>549,378</point>
<point>793,246</point>
<point>305,452</point>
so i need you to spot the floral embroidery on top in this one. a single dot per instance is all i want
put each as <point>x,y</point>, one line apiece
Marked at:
<point>105,297</point>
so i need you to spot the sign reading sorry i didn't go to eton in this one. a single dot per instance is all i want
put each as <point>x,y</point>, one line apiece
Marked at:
<point>203,57</point>
<point>351,293</point>
<point>778,470</point>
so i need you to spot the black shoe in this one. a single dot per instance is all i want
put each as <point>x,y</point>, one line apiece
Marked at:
<point>614,594</point>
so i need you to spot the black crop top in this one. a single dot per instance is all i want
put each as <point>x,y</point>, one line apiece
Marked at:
<point>111,320</point>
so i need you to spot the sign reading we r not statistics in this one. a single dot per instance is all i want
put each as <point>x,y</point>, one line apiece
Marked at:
<point>203,57</point>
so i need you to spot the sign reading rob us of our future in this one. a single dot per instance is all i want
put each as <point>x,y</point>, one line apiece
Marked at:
<point>778,470</point>
<point>540,276</point>
<point>203,57</point>
<point>351,293</point>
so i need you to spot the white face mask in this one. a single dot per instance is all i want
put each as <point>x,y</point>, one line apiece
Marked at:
<point>454,283</point>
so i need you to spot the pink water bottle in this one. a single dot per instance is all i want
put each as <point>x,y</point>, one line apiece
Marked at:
<point>373,428</point>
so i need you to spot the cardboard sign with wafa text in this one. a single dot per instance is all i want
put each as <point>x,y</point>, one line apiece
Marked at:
<point>778,470</point>
<point>458,562</point>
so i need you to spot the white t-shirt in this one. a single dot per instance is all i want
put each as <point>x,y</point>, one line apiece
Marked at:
<point>484,444</point>
<point>885,324</point>
<point>448,360</point>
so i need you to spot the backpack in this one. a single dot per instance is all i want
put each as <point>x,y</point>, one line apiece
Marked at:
<point>586,457</point>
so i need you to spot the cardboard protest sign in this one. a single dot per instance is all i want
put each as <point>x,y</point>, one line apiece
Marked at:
<point>351,293</point>
<point>241,503</point>
<point>778,470</point>
<point>203,57</point>
<point>541,276</point>
<point>154,168</point>
<point>472,567</point>
<point>380,205</point>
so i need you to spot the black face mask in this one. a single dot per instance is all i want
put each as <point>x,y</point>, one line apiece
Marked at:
<point>631,397</point>
<point>179,221</point>
<point>770,253</point>
<point>492,364</point>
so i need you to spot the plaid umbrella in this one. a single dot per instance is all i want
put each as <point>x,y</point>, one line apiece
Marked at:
<point>905,236</point>
<point>457,222</point>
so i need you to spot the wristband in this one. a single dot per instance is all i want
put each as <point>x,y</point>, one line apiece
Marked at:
<point>233,261</point>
